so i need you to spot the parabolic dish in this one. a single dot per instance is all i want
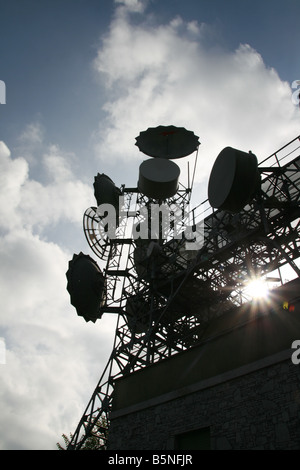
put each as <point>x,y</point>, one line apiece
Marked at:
<point>167,142</point>
<point>106,192</point>
<point>86,286</point>
<point>233,181</point>
<point>158,179</point>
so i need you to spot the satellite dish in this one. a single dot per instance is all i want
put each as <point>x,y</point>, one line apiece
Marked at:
<point>158,178</point>
<point>167,142</point>
<point>106,192</point>
<point>233,181</point>
<point>94,228</point>
<point>86,286</point>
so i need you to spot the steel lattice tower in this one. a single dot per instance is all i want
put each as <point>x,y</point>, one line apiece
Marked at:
<point>179,292</point>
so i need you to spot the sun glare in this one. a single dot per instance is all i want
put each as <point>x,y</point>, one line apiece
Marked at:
<point>257,289</point>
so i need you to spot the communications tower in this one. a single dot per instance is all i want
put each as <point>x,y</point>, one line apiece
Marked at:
<point>165,270</point>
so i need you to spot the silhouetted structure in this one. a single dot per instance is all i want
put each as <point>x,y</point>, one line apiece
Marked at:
<point>187,310</point>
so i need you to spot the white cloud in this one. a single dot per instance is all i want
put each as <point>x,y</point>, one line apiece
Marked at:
<point>50,368</point>
<point>13,174</point>
<point>168,74</point>
<point>29,202</point>
<point>33,134</point>
<point>134,6</point>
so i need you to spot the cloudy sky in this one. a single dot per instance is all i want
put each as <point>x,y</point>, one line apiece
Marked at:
<point>83,78</point>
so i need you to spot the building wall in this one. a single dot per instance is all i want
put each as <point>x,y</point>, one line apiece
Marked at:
<point>237,389</point>
<point>254,407</point>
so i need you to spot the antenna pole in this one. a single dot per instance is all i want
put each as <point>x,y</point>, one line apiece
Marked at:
<point>196,159</point>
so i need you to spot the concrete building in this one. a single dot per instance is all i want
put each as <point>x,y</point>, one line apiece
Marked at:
<point>238,388</point>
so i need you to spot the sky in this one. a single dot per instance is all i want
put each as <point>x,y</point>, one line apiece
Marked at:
<point>82,79</point>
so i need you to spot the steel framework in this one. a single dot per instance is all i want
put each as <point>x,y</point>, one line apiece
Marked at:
<point>165,299</point>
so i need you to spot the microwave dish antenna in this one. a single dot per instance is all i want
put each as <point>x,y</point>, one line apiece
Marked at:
<point>86,286</point>
<point>168,142</point>
<point>158,178</point>
<point>234,180</point>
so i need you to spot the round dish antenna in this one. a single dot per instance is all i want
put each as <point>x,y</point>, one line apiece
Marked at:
<point>167,142</point>
<point>158,178</point>
<point>86,286</point>
<point>106,192</point>
<point>234,179</point>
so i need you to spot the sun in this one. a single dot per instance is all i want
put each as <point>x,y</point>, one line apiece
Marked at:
<point>257,288</point>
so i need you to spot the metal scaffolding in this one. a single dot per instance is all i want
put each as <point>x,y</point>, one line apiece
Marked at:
<point>164,300</point>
